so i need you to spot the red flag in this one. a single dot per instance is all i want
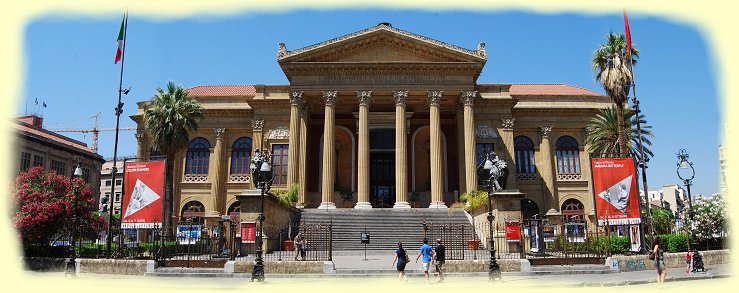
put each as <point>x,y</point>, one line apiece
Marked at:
<point>628,34</point>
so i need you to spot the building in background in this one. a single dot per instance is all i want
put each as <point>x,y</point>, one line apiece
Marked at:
<point>36,146</point>
<point>107,186</point>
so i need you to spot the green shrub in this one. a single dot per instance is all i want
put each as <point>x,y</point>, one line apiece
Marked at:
<point>620,244</point>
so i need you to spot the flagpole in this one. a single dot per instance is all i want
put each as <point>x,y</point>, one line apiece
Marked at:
<point>114,170</point>
<point>637,112</point>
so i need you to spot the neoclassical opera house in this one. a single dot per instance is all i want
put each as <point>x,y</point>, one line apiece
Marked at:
<point>383,114</point>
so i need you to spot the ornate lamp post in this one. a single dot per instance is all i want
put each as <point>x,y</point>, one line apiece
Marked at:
<point>261,173</point>
<point>687,175</point>
<point>72,262</point>
<point>492,169</point>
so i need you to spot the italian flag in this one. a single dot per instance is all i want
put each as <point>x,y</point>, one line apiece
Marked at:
<point>121,34</point>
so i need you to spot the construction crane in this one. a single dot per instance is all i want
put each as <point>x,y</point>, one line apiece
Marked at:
<point>95,131</point>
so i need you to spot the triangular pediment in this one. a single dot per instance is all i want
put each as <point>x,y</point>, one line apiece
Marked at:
<point>382,43</point>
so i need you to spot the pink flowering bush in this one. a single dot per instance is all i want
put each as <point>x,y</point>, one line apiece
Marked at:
<point>44,203</point>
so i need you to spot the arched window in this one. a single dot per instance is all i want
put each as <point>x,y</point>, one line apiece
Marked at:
<point>198,155</point>
<point>524,149</point>
<point>573,210</point>
<point>568,156</point>
<point>529,209</point>
<point>194,211</point>
<point>240,156</point>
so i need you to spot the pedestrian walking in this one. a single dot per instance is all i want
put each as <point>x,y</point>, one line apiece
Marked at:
<point>659,261</point>
<point>689,261</point>
<point>401,257</point>
<point>426,252</point>
<point>439,257</point>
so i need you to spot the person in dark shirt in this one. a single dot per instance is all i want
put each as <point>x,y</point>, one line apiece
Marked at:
<point>401,257</point>
<point>439,257</point>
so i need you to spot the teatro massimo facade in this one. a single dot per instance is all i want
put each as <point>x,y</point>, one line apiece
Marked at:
<point>384,114</point>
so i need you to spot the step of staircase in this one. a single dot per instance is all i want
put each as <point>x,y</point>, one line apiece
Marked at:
<point>386,227</point>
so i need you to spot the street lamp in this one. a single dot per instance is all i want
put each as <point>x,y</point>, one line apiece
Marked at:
<point>261,173</point>
<point>687,175</point>
<point>72,262</point>
<point>492,169</point>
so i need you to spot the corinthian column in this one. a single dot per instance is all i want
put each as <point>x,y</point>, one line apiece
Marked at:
<point>468,99</point>
<point>329,155</point>
<point>364,98</point>
<point>296,98</point>
<point>506,135</point>
<point>302,175</point>
<point>547,175</point>
<point>141,141</point>
<point>401,168</point>
<point>218,198</point>
<point>437,200</point>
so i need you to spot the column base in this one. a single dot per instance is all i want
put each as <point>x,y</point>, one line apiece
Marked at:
<point>363,205</point>
<point>327,206</point>
<point>402,205</point>
<point>438,205</point>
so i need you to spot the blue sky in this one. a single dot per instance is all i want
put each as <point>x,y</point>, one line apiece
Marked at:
<point>69,65</point>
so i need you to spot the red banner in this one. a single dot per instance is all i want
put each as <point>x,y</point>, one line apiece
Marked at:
<point>248,232</point>
<point>142,194</point>
<point>615,192</point>
<point>512,232</point>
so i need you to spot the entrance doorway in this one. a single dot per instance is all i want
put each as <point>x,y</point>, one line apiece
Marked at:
<point>382,179</point>
<point>382,167</point>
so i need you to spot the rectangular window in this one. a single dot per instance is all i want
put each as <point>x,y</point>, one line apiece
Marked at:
<point>38,161</point>
<point>86,174</point>
<point>279,152</point>
<point>108,182</point>
<point>59,167</point>
<point>118,182</point>
<point>117,197</point>
<point>25,161</point>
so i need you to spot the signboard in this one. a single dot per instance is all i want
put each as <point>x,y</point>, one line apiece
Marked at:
<point>615,192</point>
<point>549,233</point>
<point>512,232</point>
<point>248,232</point>
<point>188,234</point>
<point>634,238</point>
<point>142,194</point>
<point>575,232</point>
<point>365,238</point>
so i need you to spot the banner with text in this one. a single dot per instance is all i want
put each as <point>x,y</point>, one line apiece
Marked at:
<point>616,194</point>
<point>248,232</point>
<point>142,194</point>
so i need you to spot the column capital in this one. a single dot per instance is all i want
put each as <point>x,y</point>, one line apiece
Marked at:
<point>257,124</point>
<point>468,97</point>
<point>434,97</point>
<point>140,135</point>
<point>507,123</point>
<point>304,109</point>
<point>219,132</point>
<point>364,97</point>
<point>296,98</point>
<point>400,97</point>
<point>545,130</point>
<point>330,97</point>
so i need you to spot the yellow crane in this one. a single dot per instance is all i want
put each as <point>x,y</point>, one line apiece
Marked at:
<point>95,131</point>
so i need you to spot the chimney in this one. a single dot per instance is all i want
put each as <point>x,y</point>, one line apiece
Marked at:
<point>33,120</point>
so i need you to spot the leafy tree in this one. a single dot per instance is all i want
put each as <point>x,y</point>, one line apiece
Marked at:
<point>663,220</point>
<point>710,216</point>
<point>603,136</point>
<point>169,117</point>
<point>613,72</point>
<point>44,203</point>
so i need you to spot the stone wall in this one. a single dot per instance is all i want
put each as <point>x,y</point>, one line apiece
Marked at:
<point>672,260</point>
<point>283,267</point>
<point>113,266</point>
<point>464,266</point>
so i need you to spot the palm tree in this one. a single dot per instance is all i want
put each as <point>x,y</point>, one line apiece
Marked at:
<point>169,117</point>
<point>603,136</point>
<point>613,72</point>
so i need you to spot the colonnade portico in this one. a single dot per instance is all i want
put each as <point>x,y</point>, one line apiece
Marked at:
<point>364,100</point>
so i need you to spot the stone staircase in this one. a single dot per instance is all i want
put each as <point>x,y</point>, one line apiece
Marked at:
<point>386,227</point>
